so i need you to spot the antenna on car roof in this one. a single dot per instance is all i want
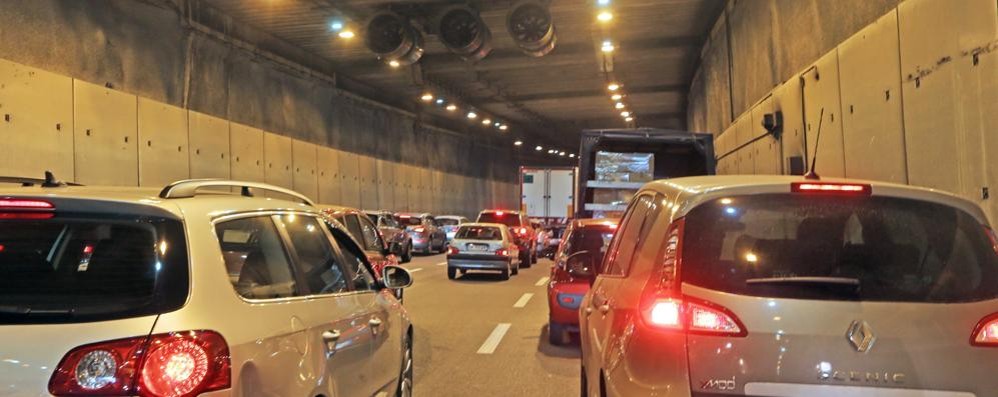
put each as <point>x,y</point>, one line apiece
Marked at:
<point>814,158</point>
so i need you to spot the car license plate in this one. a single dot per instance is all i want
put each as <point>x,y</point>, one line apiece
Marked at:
<point>478,247</point>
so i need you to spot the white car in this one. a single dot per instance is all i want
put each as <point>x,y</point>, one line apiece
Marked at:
<point>123,291</point>
<point>483,246</point>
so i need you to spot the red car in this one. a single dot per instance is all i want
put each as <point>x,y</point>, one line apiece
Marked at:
<point>367,234</point>
<point>565,292</point>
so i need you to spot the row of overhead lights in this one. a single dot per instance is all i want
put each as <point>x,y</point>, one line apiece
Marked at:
<point>438,100</point>
<point>604,15</point>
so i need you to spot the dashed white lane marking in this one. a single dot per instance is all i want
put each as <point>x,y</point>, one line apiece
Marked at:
<point>492,342</point>
<point>442,264</point>
<point>523,300</point>
<point>542,281</point>
<point>418,269</point>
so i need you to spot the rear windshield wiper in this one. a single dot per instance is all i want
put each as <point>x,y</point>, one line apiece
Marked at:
<point>27,311</point>
<point>838,281</point>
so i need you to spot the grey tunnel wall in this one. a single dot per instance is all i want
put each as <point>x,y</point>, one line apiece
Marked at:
<point>128,93</point>
<point>909,90</point>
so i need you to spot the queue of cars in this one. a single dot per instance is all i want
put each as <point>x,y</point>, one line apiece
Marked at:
<point>189,291</point>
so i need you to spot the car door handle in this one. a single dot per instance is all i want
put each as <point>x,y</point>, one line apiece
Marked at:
<point>374,322</point>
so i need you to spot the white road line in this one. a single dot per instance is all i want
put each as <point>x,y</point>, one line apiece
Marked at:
<point>442,264</point>
<point>523,300</point>
<point>542,281</point>
<point>418,269</point>
<point>492,342</point>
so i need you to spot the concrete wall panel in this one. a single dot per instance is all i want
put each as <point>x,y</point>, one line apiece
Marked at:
<point>209,146</point>
<point>399,186</point>
<point>163,143</point>
<point>368,172</point>
<point>350,180</point>
<point>278,158</point>
<point>246,153</point>
<point>766,150</point>
<point>328,164</point>
<point>743,133</point>
<point>36,122</point>
<point>950,88</point>
<point>105,136</point>
<point>821,102</point>
<point>304,159</point>
<point>787,99</point>
<point>386,184</point>
<point>872,130</point>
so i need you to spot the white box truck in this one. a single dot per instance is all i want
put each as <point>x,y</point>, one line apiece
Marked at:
<point>548,193</point>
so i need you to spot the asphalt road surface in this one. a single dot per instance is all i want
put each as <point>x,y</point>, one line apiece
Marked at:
<point>481,336</point>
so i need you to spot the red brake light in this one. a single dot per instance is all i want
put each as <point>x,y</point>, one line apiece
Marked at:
<point>986,332</point>
<point>179,364</point>
<point>522,230</point>
<point>502,252</point>
<point>665,313</point>
<point>25,205</point>
<point>831,188</point>
<point>994,238</point>
<point>500,213</point>
<point>453,250</point>
<point>2,247</point>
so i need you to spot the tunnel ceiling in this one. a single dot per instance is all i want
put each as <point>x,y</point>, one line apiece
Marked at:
<point>548,98</point>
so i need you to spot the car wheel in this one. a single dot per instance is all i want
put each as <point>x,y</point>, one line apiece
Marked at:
<point>556,333</point>
<point>533,256</point>
<point>451,273</point>
<point>583,383</point>
<point>407,257</point>
<point>405,375</point>
<point>505,274</point>
<point>516,268</point>
<point>525,261</point>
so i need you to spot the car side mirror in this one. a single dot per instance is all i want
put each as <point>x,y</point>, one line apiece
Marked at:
<point>395,277</point>
<point>580,265</point>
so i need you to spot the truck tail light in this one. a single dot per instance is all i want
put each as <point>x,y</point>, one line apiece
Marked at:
<point>179,364</point>
<point>986,332</point>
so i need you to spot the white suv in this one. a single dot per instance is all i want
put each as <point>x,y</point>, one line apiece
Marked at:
<point>192,291</point>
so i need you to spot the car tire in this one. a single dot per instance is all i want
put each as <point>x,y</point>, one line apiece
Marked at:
<point>451,273</point>
<point>533,256</point>
<point>407,257</point>
<point>516,268</point>
<point>505,274</point>
<point>583,382</point>
<point>556,333</point>
<point>406,373</point>
<point>525,261</point>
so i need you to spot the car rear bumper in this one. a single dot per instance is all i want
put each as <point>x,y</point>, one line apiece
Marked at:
<point>421,245</point>
<point>484,262</point>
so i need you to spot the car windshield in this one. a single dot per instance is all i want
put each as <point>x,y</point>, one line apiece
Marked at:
<point>373,218</point>
<point>410,220</point>
<point>69,269</point>
<point>834,248</point>
<point>447,222</point>
<point>506,218</point>
<point>479,233</point>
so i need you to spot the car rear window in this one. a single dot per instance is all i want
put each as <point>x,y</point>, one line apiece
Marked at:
<point>446,222</point>
<point>478,233</point>
<point>839,248</point>
<point>373,218</point>
<point>410,221</point>
<point>79,269</point>
<point>592,238</point>
<point>505,219</point>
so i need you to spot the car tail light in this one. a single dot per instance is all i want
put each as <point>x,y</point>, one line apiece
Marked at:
<point>453,250</point>
<point>986,332</point>
<point>500,213</point>
<point>522,231</point>
<point>502,252</point>
<point>994,238</point>
<point>180,364</point>
<point>665,307</point>
<point>25,205</point>
<point>832,188</point>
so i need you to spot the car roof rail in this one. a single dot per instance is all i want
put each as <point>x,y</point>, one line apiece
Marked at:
<point>49,181</point>
<point>188,188</point>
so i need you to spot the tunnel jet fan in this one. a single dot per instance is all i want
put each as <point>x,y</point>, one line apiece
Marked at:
<point>392,38</point>
<point>464,33</point>
<point>532,28</point>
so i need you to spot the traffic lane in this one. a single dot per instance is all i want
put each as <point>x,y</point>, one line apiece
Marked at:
<point>455,320</point>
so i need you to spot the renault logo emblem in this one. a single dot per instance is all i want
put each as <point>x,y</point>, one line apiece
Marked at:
<point>861,336</point>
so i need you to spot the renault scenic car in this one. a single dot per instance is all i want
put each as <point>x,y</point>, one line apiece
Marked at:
<point>123,291</point>
<point>783,286</point>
